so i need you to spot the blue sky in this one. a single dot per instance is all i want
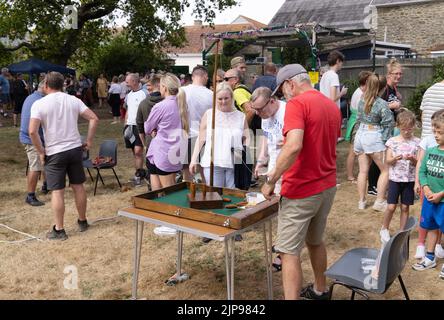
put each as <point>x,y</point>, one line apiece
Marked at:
<point>260,10</point>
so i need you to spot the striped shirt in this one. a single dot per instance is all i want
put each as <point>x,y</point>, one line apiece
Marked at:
<point>432,101</point>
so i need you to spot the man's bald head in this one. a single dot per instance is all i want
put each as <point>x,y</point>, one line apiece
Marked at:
<point>232,76</point>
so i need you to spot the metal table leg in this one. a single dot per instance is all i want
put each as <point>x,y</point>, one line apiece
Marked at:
<point>270,258</point>
<point>179,253</point>
<point>227,268</point>
<point>137,252</point>
<point>232,242</point>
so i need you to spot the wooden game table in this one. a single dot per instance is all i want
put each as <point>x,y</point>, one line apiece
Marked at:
<point>207,228</point>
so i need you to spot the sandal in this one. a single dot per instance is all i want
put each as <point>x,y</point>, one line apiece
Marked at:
<point>353,180</point>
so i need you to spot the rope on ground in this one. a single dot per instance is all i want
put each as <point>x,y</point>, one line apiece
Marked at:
<point>30,237</point>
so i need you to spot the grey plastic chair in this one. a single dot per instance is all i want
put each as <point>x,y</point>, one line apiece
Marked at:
<point>348,273</point>
<point>108,148</point>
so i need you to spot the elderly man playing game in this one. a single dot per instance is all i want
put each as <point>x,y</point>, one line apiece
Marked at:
<point>307,162</point>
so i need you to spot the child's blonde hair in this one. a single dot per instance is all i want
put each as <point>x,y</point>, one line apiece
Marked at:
<point>405,118</point>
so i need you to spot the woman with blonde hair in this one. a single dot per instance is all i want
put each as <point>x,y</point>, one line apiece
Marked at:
<point>168,125</point>
<point>375,128</point>
<point>231,133</point>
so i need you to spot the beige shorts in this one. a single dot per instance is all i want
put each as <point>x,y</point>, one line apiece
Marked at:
<point>33,158</point>
<point>303,221</point>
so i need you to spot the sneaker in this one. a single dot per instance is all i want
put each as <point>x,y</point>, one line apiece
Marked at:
<point>33,201</point>
<point>424,264</point>
<point>372,191</point>
<point>308,293</point>
<point>165,231</point>
<point>340,139</point>
<point>137,181</point>
<point>420,252</point>
<point>439,251</point>
<point>57,234</point>
<point>362,205</point>
<point>380,206</point>
<point>385,235</point>
<point>441,274</point>
<point>83,225</point>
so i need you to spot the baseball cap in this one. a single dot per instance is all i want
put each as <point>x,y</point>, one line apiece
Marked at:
<point>286,73</point>
<point>236,60</point>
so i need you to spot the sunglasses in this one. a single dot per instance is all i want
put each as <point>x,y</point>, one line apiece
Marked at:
<point>228,78</point>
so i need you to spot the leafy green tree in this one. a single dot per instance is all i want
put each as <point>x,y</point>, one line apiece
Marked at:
<point>40,25</point>
<point>121,55</point>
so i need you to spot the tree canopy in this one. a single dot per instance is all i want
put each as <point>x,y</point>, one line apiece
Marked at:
<point>40,25</point>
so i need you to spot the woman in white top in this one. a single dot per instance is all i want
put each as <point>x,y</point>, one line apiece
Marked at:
<point>231,133</point>
<point>114,99</point>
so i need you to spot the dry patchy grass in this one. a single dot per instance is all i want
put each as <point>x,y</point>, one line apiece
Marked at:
<point>103,255</point>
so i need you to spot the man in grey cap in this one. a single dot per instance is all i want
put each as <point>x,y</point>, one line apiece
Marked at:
<point>307,164</point>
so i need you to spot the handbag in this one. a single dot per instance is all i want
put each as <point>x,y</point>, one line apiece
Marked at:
<point>243,168</point>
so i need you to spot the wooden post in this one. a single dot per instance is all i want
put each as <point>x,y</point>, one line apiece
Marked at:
<point>213,121</point>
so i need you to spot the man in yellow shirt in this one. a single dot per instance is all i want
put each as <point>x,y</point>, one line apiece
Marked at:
<point>241,94</point>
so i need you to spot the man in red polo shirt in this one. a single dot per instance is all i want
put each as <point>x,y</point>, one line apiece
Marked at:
<point>307,162</point>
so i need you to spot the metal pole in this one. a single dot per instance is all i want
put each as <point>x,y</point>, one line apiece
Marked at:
<point>179,253</point>
<point>137,253</point>
<point>213,121</point>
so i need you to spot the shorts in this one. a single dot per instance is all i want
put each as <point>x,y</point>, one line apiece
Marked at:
<point>303,221</point>
<point>5,98</point>
<point>129,144</point>
<point>58,165</point>
<point>152,169</point>
<point>18,104</point>
<point>368,141</point>
<point>432,215</point>
<point>403,189</point>
<point>33,158</point>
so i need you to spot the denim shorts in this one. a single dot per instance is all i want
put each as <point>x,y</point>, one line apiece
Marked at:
<point>368,140</point>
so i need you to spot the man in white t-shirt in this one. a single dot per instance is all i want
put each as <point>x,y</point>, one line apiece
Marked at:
<point>131,133</point>
<point>272,112</point>
<point>58,114</point>
<point>330,85</point>
<point>199,100</point>
<point>432,101</point>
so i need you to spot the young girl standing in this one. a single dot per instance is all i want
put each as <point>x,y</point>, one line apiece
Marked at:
<point>401,158</point>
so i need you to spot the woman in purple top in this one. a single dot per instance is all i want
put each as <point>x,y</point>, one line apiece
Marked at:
<point>168,125</point>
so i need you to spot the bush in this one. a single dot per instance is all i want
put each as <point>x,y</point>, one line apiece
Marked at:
<point>414,102</point>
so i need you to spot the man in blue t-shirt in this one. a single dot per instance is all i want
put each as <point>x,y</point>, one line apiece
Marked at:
<point>4,91</point>
<point>269,79</point>
<point>35,166</point>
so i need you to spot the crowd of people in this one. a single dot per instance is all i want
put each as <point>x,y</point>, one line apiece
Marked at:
<point>293,127</point>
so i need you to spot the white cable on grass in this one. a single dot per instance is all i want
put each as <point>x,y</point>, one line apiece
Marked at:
<point>103,219</point>
<point>23,233</point>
